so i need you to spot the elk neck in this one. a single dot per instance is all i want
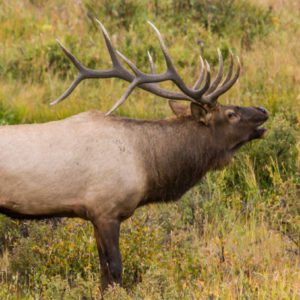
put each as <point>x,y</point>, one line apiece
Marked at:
<point>175,153</point>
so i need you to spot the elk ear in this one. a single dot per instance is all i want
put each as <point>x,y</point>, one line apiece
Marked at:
<point>179,109</point>
<point>199,113</point>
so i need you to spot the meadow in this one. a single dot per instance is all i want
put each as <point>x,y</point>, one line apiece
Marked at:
<point>236,235</point>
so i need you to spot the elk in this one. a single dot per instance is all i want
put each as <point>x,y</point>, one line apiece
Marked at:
<point>102,167</point>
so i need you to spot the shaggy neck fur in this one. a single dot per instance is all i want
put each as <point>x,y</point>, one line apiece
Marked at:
<point>176,153</point>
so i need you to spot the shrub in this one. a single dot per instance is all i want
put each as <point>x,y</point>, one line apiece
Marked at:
<point>238,18</point>
<point>277,150</point>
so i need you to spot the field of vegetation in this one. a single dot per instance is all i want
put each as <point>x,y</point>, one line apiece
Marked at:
<point>236,235</point>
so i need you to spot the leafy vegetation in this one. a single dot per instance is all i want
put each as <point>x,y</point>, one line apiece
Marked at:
<point>236,234</point>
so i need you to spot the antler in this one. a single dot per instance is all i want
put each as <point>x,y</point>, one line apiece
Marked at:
<point>208,94</point>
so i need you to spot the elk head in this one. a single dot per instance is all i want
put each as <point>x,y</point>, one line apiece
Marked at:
<point>235,126</point>
<point>230,126</point>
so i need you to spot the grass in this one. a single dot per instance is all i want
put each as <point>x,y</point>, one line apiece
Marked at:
<point>236,234</point>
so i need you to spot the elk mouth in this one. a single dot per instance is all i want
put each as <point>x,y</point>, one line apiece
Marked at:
<point>258,133</point>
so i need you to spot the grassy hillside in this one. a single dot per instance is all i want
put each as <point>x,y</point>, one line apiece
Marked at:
<point>236,235</point>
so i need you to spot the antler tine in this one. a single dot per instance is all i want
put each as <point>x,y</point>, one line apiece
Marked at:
<point>207,81</point>
<point>153,71</point>
<point>74,60</point>
<point>163,47</point>
<point>225,87</point>
<point>219,76</point>
<point>77,80</point>
<point>73,85</point>
<point>230,69</point>
<point>201,76</point>
<point>129,90</point>
<point>111,50</point>
<point>172,74</point>
<point>151,63</point>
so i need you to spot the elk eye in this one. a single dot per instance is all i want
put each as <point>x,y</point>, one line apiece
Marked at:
<point>231,115</point>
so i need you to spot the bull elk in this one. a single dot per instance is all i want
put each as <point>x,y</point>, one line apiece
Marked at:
<point>102,167</point>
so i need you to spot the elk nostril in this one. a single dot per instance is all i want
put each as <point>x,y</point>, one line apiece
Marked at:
<point>262,110</point>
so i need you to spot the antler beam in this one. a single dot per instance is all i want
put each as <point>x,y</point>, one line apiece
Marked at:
<point>208,94</point>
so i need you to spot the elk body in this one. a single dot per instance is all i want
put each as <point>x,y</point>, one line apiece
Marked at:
<point>101,167</point>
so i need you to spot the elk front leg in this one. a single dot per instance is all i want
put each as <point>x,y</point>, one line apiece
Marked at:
<point>103,261</point>
<point>107,238</point>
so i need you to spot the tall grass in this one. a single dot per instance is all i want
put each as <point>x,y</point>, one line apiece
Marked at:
<point>236,234</point>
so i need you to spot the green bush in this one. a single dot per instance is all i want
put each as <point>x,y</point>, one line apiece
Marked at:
<point>233,17</point>
<point>51,249</point>
<point>122,13</point>
<point>276,152</point>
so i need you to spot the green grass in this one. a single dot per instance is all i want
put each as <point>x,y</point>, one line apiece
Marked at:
<point>236,235</point>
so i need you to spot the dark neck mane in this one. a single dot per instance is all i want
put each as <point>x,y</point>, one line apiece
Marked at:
<point>176,153</point>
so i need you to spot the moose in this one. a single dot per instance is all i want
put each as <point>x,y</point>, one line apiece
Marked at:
<point>101,167</point>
